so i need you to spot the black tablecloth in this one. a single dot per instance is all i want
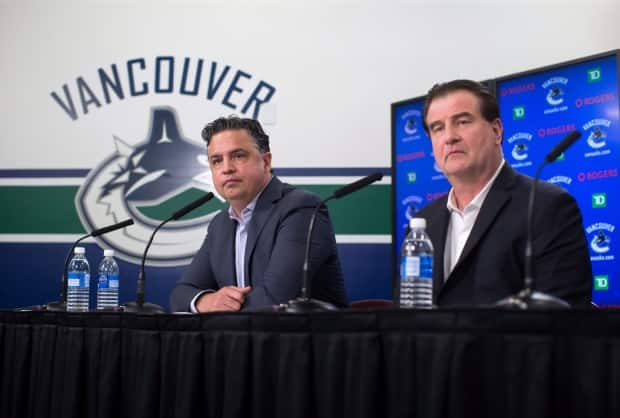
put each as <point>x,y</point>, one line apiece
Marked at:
<point>456,363</point>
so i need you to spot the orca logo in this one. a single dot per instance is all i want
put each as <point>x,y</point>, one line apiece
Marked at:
<point>600,239</point>
<point>134,180</point>
<point>411,126</point>
<point>555,93</point>
<point>519,151</point>
<point>596,139</point>
<point>412,205</point>
<point>597,135</point>
<point>600,243</point>
<point>520,147</point>
<point>411,120</point>
<point>555,96</point>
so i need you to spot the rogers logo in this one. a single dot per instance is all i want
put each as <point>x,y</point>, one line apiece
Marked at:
<point>430,196</point>
<point>506,91</point>
<point>601,98</point>
<point>597,175</point>
<point>555,130</point>
<point>410,156</point>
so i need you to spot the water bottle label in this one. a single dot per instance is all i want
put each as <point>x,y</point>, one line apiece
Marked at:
<point>410,267</point>
<point>108,281</point>
<point>78,279</point>
<point>426,267</point>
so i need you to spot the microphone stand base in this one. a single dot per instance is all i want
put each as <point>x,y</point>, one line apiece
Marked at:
<point>50,307</point>
<point>147,308</point>
<point>306,305</point>
<point>526,300</point>
<point>56,306</point>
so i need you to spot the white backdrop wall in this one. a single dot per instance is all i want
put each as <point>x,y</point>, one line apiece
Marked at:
<point>336,65</point>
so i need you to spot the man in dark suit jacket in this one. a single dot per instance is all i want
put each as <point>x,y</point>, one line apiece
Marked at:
<point>479,229</point>
<point>254,252</point>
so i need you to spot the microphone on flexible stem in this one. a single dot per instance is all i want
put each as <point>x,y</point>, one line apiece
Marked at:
<point>139,305</point>
<point>528,298</point>
<point>61,304</point>
<point>304,303</point>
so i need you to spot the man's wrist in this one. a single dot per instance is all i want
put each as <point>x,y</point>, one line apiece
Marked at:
<point>192,304</point>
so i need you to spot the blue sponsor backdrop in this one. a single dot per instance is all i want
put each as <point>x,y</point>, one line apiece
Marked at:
<point>416,179</point>
<point>538,108</point>
<point>545,105</point>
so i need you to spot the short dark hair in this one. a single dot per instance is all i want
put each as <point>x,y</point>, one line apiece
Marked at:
<point>252,126</point>
<point>489,108</point>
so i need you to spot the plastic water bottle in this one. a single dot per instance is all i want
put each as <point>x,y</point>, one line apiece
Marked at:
<point>416,267</point>
<point>107,286</point>
<point>78,283</point>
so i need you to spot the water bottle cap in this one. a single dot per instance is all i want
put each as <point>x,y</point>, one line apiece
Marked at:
<point>417,223</point>
<point>79,250</point>
<point>108,253</point>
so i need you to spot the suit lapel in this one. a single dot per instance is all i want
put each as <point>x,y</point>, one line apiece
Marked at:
<point>497,198</point>
<point>226,251</point>
<point>262,212</point>
<point>437,228</point>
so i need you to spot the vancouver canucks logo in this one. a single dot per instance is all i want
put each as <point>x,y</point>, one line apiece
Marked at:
<point>597,132</point>
<point>599,235</point>
<point>555,87</point>
<point>519,146</point>
<point>519,151</point>
<point>411,121</point>
<point>411,126</point>
<point>596,138</point>
<point>555,90</point>
<point>412,205</point>
<point>144,182</point>
<point>596,129</point>
<point>600,242</point>
<point>555,96</point>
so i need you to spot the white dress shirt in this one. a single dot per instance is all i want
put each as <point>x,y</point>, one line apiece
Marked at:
<point>461,223</point>
<point>241,239</point>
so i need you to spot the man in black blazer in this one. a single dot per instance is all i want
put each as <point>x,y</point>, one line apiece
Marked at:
<point>479,228</point>
<point>254,251</point>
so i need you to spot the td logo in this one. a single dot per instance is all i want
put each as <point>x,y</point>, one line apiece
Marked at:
<point>599,200</point>
<point>601,282</point>
<point>518,112</point>
<point>594,75</point>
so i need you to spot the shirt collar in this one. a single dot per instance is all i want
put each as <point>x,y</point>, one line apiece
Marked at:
<point>479,199</point>
<point>249,208</point>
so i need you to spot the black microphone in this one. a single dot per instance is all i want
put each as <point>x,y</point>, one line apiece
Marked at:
<point>355,186</point>
<point>61,304</point>
<point>304,303</point>
<point>191,206</point>
<point>111,228</point>
<point>529,298</point>
<point>139,305</point>
<point>561,147</point>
